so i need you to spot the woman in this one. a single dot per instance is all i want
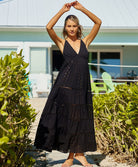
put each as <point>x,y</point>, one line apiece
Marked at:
<point>67,122</point>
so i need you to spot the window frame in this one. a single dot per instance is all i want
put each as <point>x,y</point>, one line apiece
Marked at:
<point>14,45</point>
<point>29,45</point>
<point>107,50</point>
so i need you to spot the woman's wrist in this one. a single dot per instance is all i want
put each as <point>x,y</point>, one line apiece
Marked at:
<point>61,11</point>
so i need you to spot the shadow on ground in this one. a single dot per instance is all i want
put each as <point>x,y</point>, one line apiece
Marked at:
<point>97,158</point>
<point>39,156</point>
<point>51,162</point>
<point>43,158</point>
<point>94,159</point>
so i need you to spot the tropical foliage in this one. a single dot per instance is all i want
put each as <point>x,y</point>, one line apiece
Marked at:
<point>16,115</point>
<point>116,121</point>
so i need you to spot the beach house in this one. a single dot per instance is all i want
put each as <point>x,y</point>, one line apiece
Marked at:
<point>115,48</point>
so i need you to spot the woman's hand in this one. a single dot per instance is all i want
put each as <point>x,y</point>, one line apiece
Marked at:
<point>66,7</point>
<point>76,5</point>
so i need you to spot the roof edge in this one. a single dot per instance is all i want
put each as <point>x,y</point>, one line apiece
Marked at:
<point>59,29</point>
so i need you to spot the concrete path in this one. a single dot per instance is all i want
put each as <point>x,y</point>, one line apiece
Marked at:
<point>55,158</point>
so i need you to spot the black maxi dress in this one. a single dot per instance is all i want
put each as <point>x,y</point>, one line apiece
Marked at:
<point>67,123</point>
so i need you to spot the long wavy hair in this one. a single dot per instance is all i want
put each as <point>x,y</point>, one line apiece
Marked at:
<point>76,20</point>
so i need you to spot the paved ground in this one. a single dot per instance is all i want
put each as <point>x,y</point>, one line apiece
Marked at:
<point>55,159</point>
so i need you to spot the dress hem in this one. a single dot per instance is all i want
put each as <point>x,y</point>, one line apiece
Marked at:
<point>41,148</point>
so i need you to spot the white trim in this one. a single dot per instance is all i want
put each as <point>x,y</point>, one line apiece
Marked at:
<point>51,60</point>
<point>98,61</point>
<point>60,28</point>
<point>105,29</point>
<point>18,45</point>
<point>49,54</point>
<point>28,45</point>
<point>121,62</point>
<point>104,50</point>
<point>129,80</point>
<point>114,44</point>
<point>110,44</point>
<point>38,44</point>
<point>23,29</point>
<point>119,29</point>
<point>110,65</point>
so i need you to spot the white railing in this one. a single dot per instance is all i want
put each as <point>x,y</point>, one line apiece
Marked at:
<point>110,65</point>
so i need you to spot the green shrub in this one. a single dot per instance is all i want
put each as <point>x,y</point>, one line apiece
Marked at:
<point>116,121</point>
<point>16,115</point>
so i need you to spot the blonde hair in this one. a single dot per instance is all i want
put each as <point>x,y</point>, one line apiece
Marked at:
<point>76,20</point>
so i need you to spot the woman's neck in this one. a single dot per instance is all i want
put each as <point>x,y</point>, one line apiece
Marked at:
<point>72,38</point>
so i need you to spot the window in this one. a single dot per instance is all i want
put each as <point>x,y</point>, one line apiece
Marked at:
<point>93,68</point>
<point>39,60</point>
<point>112,58</point>
<point>37,54</point>
<point>5,51</point>
<point>105,58</point>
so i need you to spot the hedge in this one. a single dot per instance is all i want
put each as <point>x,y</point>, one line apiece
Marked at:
<point>16,115</point>
<point>116,121</point>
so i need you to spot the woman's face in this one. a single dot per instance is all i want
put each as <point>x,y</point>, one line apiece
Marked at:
<point>71,28</point>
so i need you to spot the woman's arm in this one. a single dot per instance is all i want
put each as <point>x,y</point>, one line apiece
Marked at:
<point>97,22</point>
<point>59,42</point>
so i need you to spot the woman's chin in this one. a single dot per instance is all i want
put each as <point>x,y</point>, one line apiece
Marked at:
<point>72,35</point>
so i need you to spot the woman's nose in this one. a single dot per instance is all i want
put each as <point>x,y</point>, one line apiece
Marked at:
<point>72,28</point>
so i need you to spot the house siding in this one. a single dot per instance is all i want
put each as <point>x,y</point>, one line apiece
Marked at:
<point>102,37</point>
<point>130,57</point>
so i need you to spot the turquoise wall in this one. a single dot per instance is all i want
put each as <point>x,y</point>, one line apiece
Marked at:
<point>118,37</point>
<point>103,37</point>
<point>24,36</point>
<point>130,57</point>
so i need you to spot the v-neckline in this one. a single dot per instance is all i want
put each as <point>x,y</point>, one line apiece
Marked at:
<point>73,48</point>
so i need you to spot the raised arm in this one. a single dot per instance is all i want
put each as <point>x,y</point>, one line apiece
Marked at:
<point>58,41</point>
<point>97,22</point>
